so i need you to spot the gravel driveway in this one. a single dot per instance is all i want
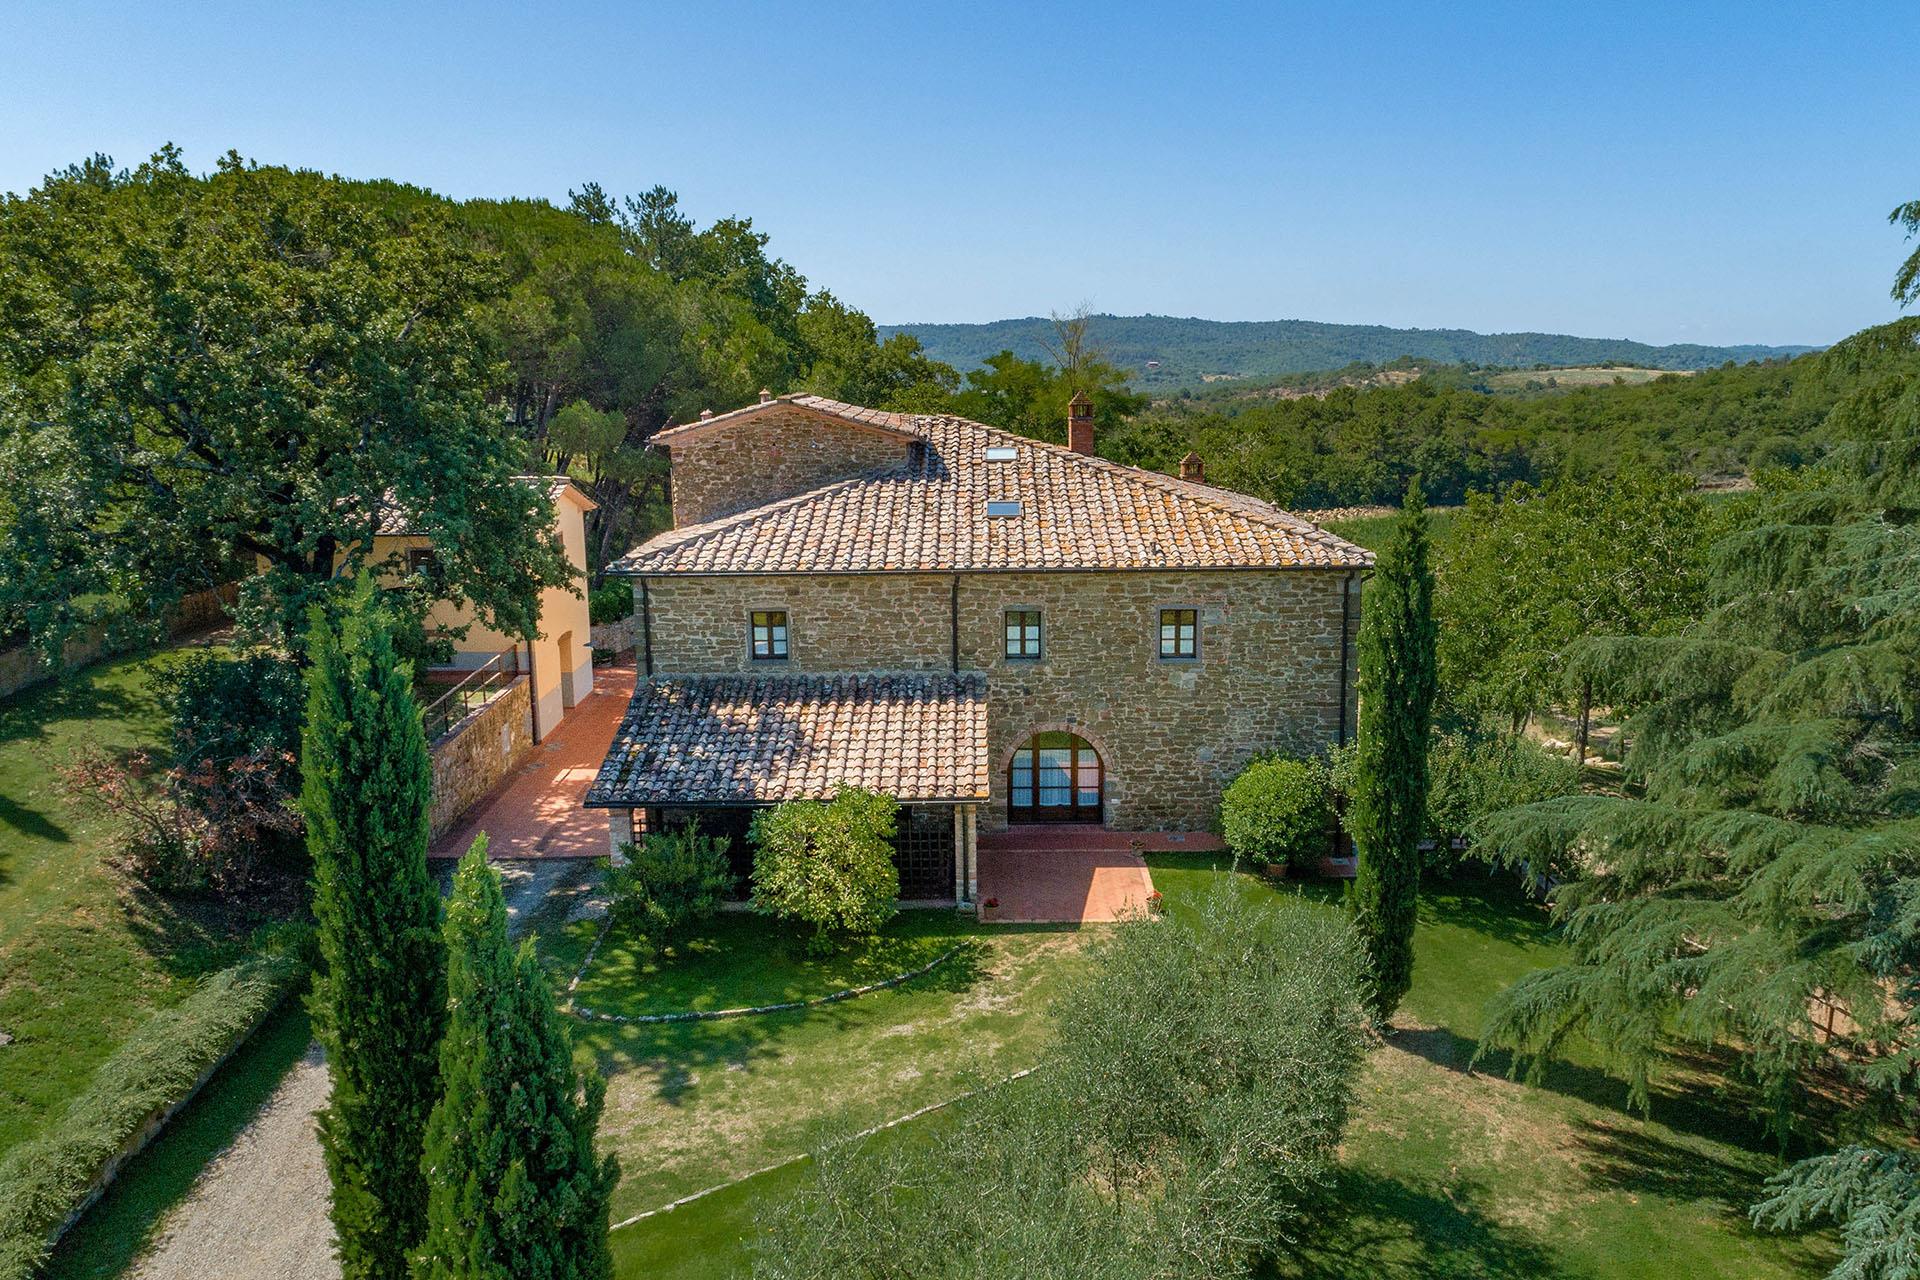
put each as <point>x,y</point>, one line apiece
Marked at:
<point>260,1207</point>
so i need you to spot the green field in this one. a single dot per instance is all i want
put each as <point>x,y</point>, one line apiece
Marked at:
<point>1445,1173</point>
<point>1371,531</point>
<point>83,958</point>
<point>1567,379</point>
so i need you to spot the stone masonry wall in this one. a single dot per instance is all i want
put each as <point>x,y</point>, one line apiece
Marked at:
<point>1171,733</point>
<point>875,622</point>
<point>477,753</point>
<point>775,455</point>
<point>22,667</point>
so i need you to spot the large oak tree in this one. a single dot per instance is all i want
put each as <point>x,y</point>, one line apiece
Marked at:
<point>259,365</point>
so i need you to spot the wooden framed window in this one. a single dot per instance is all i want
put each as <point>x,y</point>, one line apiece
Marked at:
<point>421,559</point>
<point>1055,777</point>
<point>1179,633</point>
<point>768,633</point>
<point>1023,633</point>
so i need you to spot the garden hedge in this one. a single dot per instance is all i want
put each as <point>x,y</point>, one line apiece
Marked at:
<point>1279,810</point>
<point>45,1180</point>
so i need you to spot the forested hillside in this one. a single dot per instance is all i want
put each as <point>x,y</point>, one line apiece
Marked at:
<point>1360,445</point>
<point>1191,351</point>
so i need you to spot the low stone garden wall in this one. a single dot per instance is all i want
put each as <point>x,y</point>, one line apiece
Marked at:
<point>471,758</point>
<point>21,667</point>
<point>617,637</point>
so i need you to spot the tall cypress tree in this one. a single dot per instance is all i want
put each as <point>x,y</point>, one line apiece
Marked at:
<point>516,1189</point>
<point>379,997</point>
<point>1387,810</point>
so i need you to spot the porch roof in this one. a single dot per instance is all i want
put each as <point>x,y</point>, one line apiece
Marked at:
<point>733,739</point>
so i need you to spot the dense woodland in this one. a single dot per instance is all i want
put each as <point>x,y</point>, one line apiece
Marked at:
<point>1357,445</point>
<point>139,396</point>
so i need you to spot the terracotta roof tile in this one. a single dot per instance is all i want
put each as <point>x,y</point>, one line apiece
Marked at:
<point>763,739</point>
<point>930,515</point>
<point>395,522</point>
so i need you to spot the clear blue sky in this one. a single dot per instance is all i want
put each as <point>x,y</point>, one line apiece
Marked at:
<point>1687,171</point>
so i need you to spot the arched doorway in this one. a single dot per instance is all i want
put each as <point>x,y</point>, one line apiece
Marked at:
<point>565,646</point>
<point>1055,777</point>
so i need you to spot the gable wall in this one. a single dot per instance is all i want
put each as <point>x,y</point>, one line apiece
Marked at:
<point>776,454</point>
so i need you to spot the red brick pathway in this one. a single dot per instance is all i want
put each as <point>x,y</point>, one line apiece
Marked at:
<point>535,812</point>
<point>1076,874</point>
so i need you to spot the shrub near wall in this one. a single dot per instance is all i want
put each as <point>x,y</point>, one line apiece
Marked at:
<point>670,879</point>
<point>45,1182</point>
<point>1278,811</point>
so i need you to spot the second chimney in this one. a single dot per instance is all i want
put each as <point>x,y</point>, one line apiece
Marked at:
<point>1191,468</point>
<point>1080,423</point>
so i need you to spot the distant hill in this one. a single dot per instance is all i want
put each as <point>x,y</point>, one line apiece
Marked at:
<point>1190,351</point>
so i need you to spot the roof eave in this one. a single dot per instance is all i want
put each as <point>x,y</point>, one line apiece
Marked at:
<point>671,437</point>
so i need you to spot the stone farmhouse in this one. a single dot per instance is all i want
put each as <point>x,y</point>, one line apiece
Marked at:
<point>997,632</point>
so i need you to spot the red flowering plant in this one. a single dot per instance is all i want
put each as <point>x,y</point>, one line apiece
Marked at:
<point>205,829</point>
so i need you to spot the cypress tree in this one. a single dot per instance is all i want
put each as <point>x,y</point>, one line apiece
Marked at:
<point>1387,810</point>
<point>516,1189</point>
<point>379,994</point>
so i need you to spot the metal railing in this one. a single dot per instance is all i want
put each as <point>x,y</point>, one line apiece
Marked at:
<point>479,687</point>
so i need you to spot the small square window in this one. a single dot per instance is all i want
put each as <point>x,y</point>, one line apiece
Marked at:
<point>1023,633</point>
<point>421,560</point>
<point>1003,508</point>
<point>1179,633</point>
<point>1000,453</point>
<point>769,628</point>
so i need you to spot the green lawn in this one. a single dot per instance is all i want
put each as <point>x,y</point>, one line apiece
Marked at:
<point>82,962</point>
<point>1444,1173</point>
<point>740,960</point>
<point>691,1105</point>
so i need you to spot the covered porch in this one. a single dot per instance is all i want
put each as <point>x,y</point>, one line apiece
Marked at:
<point>714,749</point>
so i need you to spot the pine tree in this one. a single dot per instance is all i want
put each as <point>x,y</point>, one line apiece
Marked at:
<point>1764,862</point>
<point>379,994</point>
<point>1386,812</point>
<point>1762,873</point>
<point>516,1189</point>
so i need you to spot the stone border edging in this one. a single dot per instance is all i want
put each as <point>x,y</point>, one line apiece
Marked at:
<point>894,1123</point>
<point>710,1015</point>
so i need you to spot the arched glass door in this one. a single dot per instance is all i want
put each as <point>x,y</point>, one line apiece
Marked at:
<point>1054,777</point>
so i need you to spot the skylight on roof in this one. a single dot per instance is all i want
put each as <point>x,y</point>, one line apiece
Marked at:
<point>1011,508</point>
<point>1000,453</point>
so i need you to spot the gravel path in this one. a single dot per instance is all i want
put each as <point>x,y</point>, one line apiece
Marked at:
<point>260,1207</point>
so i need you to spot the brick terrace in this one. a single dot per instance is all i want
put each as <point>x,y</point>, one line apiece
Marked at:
<point>536,811</point>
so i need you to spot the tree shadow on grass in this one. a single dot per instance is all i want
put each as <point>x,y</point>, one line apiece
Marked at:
<point>32,823</point>
<point>1492,903</point>
<point>191,937</point>
<point>1698,1094</point>
<point>1374,1227</point>
<point>680,1054</point>
<point>82,695</point>
<point>1641,1163</point>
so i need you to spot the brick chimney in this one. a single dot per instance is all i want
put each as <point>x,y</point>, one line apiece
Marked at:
<point>1191,468</point>
<point>1080,423</point>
